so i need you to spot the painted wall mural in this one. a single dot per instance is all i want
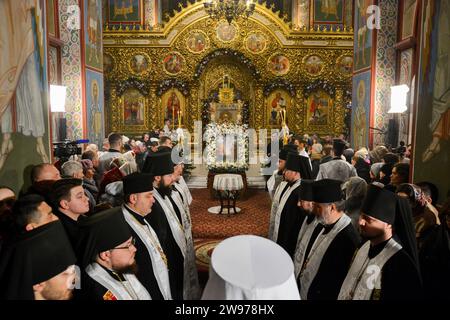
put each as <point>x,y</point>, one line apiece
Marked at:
<point>363,36</point>
<point>124,11</point>
<point>328,11</point>
<point>93,34</point>
<point>23,82</point>
<point>94,107</point>
<point>433,111</point>
<point>361,110</point>
<point>71,69</point>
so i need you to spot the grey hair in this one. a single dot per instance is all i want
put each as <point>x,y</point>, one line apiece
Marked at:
<point>69,168</point>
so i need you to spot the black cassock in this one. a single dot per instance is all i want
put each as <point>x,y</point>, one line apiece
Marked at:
<point>94,291</point>
<point>143,259</point>
<point>158,220</point>
<point>400,278</point>
<point>291,220</point>
<point>335,263</point>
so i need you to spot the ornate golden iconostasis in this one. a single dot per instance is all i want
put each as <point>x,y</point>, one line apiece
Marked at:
<point>175,71</point>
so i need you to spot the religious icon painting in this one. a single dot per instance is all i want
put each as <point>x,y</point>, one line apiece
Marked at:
<point>173,107</point>
<point>256,43</point>
<point>53,66</point>
<point>409,16</point>
<point>139,63</point>
<point>344,65</point>
<point>125,11</point>
<point>328,10</point>
<point>108,63</point>
<point>362,49</point>
<point>133,107</point>
<point>318,106</point>
<point>313,65</point>
<point>278,64</point>
<point>197,41</point>
<point>278,104</point>
<point>93,34</point>
<point>173,63</point>
<point>226,32</point>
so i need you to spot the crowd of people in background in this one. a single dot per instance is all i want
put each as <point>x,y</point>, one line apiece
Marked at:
<point>121,214</point>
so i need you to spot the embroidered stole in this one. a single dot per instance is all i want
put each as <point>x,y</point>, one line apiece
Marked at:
<point>191,286</point>
<point>186,190</point>
<point>151,242</point>
<point>275,204</point>
<point>175,224</point>
<point>271,183</point>
<point>280,208</point>
<point>319,248</point>
<point>365,274</point>
<point>304,236</point>
<point>121,290</point>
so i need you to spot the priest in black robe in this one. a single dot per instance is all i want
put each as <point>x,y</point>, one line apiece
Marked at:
<point>108,265</point>
<point>329,252</point>
<point>160,165</point>
<point>289,215</point>
<point>138,204</point>
<point>37,256</point>
<point>386,266</point>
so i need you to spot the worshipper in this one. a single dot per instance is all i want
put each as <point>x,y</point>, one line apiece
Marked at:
<point>400,174</point>
<point>93,156</point>
<point>316,156</point>
<point>391,158</point>
<point>355,190</point>
<point>166,129</point>
<point>39,266</point>
<point>326,154</point>
<point>114,151</point>
<point>113,194</point>
<point>113,174</point>
<point>309,223</point>
<point>301,143</point>
<point>44,171</point>
<point>179,202</point>
<point>288,216</point>
<point>376,155</point>
<point>425,216</point>
<point>151,259</point>
<point>385,176</point>
<point>165,144</point>
<point>277,177</point>
<point>69,205</point>
<point>362,167</point>
<point>348,154</point>
<point>31,211</point>
<point>434,259</point>
<point>74,169</point>
<point>89,183</point>
<point>153,146</point>
<point>165,222</point>
<point>385,267</point>
<point>7,199</point>
<point>108,259</point>
<point>375,171</point>
<point>337,169</point>
<point>329,251</point>
<point>430,192</point>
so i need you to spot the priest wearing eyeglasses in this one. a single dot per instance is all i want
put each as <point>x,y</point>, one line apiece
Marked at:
<point>108,259</point>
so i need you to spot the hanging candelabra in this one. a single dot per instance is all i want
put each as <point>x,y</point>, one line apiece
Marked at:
<point>229,9</point>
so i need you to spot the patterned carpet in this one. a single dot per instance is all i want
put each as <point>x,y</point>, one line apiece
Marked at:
<point>210,229</point>
<point>253,218</point>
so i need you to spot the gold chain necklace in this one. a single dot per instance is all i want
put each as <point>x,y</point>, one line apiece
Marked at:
<point>132,294</point>
<point>154,242</point>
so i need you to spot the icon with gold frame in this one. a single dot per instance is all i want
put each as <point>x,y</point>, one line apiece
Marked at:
<point>139,63</point>
<point>313,65</point>
<point>173,63</point>
<point>226,32</point>
<point>197,41</point>
<point>256,42</point>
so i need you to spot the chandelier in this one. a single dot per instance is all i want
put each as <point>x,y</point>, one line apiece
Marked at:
<point>229,9</point>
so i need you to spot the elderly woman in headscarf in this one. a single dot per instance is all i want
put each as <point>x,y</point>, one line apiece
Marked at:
<point>361,165</point>
<point>377,154</point>
<point>355,191</point>
<point>425,218</point>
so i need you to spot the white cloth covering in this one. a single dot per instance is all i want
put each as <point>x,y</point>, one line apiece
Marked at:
<point>249,267</point>
<point>228,182</point>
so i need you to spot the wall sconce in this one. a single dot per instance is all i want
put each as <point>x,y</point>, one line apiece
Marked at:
<point>399,97</point>
<point>58,98</point>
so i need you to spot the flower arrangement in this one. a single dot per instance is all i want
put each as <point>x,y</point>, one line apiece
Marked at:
<point>141,86</point>
<point>215,132</point>
<point>279,84</point>
<point>320,84</point>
